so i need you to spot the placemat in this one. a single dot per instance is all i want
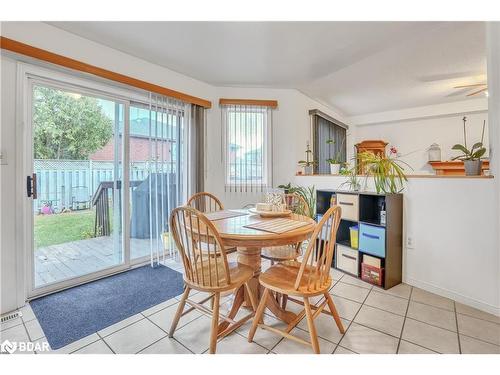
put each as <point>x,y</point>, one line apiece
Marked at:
<point>224,214</point>
<point>277,225</point>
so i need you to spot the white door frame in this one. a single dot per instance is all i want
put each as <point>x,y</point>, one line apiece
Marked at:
<point>27,75</point>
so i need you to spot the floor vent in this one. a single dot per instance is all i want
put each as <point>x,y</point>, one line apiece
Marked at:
<point>11,316</point>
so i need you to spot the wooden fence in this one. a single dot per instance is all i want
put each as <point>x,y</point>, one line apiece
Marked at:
<point>70,184</point>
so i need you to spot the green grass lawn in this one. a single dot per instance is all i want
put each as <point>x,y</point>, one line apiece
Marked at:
<point>60,228</point>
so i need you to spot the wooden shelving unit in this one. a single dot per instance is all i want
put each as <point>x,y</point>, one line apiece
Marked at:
<point>383,241</point>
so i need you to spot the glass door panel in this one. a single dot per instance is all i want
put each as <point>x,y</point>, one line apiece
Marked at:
<point>77,160</point>
<point>154,151</point>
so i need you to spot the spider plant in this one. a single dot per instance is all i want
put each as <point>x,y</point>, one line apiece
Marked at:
<point>352,182</point>
<point>309,195</point>
<point>388,173</point>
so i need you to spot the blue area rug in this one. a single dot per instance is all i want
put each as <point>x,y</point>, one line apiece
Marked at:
<point>74,313</point>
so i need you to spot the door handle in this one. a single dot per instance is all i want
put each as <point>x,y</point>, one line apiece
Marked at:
<point>31,186</point>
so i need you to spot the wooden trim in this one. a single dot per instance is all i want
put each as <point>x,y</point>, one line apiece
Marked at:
<point>408,176</point>
<point>53,58</point>
<point>317,112</point>
<point>264,103</point>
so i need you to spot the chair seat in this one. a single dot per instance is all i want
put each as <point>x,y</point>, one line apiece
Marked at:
<point>204,249</point>
<point>280,253</point>
<point>281,278</point>
<point>239,274</point>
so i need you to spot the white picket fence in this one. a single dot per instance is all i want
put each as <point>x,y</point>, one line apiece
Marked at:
<point>71,183</point>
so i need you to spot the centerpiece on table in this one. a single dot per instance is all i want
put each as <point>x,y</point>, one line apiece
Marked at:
<point>273,206</point>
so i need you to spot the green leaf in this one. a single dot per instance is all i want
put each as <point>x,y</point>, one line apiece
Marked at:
<point>461,148</point>
<point>476,145</point>
<point>478,153</point>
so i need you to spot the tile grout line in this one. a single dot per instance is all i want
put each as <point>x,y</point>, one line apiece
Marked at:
<point>191,321</point>
<point>83,346</point>
<point>120,329</point>
<point>282,339</point>
<point>352,320</point>
<point>404,320</point>
<point>475,317</point>
<point>167,334</point>
<point>458,332</point>
<point>423,347</point>
<point>105,343</point>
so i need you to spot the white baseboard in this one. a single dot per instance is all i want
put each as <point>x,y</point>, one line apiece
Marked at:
<point>495,310</point>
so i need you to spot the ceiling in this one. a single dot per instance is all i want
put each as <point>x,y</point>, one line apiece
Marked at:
<point>357,67</point>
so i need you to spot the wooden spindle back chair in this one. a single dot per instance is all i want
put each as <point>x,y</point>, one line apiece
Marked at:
<point>205,202</point>
<point>298,205</point>
<point>198,242</point>
<point>305,279</point>
<point>207,269</point>
<point>314,271</point>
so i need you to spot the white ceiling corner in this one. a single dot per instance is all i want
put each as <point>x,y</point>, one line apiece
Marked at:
<point>357,67</point>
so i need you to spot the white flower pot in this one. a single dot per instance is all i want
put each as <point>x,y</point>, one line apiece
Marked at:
<point>308,170</point>
<point>334,168</point>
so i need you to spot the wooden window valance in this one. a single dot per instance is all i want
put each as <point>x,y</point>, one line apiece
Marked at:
<point>41,54</point>
<point>264,103</point>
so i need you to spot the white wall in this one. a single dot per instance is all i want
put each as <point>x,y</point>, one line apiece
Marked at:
<point>413,136</point>
<point>291,131</point>
<point>453,227</point>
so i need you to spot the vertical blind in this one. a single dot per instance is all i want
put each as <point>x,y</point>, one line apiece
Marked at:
<point>165,183</point>
<point>247,147</point>
<point>323,130</point>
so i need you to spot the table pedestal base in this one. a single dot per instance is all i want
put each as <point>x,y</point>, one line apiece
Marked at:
<point>250,256</point>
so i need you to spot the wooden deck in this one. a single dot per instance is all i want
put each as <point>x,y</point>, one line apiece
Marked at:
<point>59,262</point>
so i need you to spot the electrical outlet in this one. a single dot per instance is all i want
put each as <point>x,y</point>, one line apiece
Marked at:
<point>410,242</point>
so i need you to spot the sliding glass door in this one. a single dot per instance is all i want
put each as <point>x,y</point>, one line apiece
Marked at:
<point>77,172</point>
<point>104,172</point>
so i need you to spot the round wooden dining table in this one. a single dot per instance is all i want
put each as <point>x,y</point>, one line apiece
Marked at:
<point>249,242</point>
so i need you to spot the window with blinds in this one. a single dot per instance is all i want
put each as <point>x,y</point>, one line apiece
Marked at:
<point>247,147</point>
<point>326,128</point>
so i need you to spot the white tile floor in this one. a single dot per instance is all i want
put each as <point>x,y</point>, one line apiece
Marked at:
<point>402,320</point>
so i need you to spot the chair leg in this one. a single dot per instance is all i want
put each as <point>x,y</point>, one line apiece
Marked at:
<point>251,296</point>
<point>284,300</point>
<point>180,309</point>
<point>334,312</point>
<point>311,326</point>
<point>258,314</point>
<point>215,323</point>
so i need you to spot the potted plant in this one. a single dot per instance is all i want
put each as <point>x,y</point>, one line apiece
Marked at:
<point>352,182</point>
<point>308,164</point>
<point>471,158</point>
<point>387,172</point>
<point>336,161</point>
<point>309,195</point>
<point>288,188</point>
